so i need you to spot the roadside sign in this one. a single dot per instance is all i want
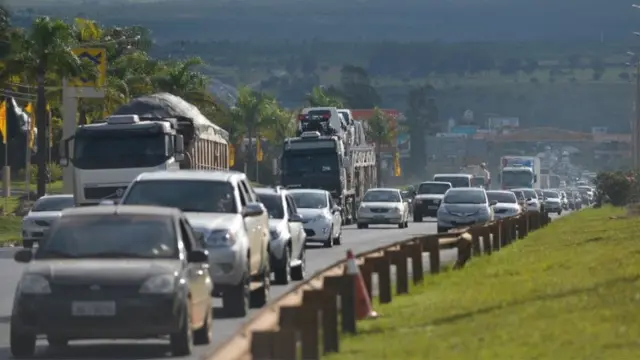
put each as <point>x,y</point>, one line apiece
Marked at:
<point>99,58</point>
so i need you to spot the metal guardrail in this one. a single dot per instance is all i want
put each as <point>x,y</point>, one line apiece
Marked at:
<point>292,326</point>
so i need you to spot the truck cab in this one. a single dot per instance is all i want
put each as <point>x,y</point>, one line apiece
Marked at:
<point>108,155</point>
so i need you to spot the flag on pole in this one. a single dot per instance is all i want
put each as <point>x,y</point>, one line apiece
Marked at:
<point>3,121</point>
<point>232,155</point>
<point>396,164</point>
<point>32,125</point>
<point>259,153</point>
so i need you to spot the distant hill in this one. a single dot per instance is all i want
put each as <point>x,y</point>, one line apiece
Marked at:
<point>356,20</point>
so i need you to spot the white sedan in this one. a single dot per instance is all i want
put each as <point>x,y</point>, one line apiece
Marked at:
<point>506,203</point>
<point>321,217</point>
<point>41,216</point>
<point>383,206</point>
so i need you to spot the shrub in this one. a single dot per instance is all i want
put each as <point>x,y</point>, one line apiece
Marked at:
<point>54,169</point>
<point>618,188</point>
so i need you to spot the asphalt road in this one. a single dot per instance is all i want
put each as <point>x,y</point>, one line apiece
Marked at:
<point>317,258</point>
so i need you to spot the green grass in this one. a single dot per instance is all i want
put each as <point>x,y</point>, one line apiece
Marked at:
<point>52,188</point>
<point>570,291</point>
<point>10,227</point>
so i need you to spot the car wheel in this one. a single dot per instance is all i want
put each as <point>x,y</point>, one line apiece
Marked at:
<point>57,342</point>
<point>235,299</point>
<point>401,225</point>
<point>417,217</point>
<point>27,244</point>
<point>298,272</point>
<point>282,270</point>
<point>23,345</point>
<point>363,226</point>
<point>559,212</point>
<point>338,239</point>
<point>203,335</point>
<point>260,296</point>
<point>182,340</point>
<point>329,242</point>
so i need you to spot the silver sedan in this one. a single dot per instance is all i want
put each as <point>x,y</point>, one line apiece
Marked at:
<point>41,216</point>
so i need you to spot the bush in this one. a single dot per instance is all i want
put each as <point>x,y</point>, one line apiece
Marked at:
<point>55,169</point>
<point>618,188</point>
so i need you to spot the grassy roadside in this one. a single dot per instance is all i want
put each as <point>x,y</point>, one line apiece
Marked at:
<point>570,291</point>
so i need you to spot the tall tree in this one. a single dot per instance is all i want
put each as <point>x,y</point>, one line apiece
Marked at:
<point>422,120</point>
<point>251,107</point>
<point>46,48</point>
<point>380,132</point>
<point>356,88</point>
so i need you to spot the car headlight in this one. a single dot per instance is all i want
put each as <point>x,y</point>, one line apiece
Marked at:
<point>161,284</point>
<point>320,217</point>
<point>34,284</point>
<point>221,238</point>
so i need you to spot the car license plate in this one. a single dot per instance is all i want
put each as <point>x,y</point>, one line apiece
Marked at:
<point>379,217</point>
<point>432,207</point>
<point>93,308</point>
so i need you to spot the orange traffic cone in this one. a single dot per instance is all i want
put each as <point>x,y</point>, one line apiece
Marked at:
<point>364,310</point>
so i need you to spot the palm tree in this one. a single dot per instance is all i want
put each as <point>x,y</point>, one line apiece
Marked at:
<point>251,107</point>
<point>320,97</point>
<point>46,48</point>
<point>380,132</point>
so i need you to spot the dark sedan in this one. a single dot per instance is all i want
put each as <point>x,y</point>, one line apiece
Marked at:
<point>114,272</point>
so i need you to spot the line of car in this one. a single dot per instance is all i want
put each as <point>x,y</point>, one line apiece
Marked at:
<point>149,265</point>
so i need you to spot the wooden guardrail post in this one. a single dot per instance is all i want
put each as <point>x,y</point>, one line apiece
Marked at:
<point>309,324</point>
<point>523,229</point>
<point>495,236</point>
<point>476,248</point>
<point>487,247</point>
<point>330,335</point>
<point>262,345</point>
<point>383,269</point>
<point>432,245</point>
<point>348,303</point>
<point>504,233</point>
<point>414,251</point>
<point>464,250</point>
<point>398,258</point>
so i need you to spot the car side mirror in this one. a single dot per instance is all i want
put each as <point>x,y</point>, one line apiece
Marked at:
<point>198,256</point>
<point>64,152</point>
<point>253,209</point>
<point>336,209</point>
<point>107,202</point>
<point>296,218</point>
<point>493,203</point>
<point>23,256</point>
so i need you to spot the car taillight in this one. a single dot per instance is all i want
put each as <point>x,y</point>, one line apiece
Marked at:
<point>301,117</point>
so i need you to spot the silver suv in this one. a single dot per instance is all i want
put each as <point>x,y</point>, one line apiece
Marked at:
<point>231,222</point>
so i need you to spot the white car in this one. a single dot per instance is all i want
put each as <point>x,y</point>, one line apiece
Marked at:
<point>383,206</point>
<point>232,225</point>
<point>552,202</point>
<point>287,243</point>
<point>44,212</point>
<point>321,217</point>
<point>532,203</point>
<point>506,203</point>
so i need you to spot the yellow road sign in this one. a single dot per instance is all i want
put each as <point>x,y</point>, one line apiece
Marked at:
<point>99,58</point>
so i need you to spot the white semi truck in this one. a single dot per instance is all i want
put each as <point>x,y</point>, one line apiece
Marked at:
<point>107,155</point>
<point>519,172</point>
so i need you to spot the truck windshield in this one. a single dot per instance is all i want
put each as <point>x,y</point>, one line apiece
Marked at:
<point>517,178</point>
<point>306,164</point>
<point>117,150</point>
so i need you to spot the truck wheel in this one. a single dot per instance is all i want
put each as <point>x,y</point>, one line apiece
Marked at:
<point>235,299</point>
<point>260,296</point>
<point>23,345</point>
<point>363,226</point>
<point>417,217</point>
<point>283,270</point>
<point>329,242</point>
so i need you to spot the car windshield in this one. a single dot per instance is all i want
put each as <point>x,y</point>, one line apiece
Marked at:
<point>273,203</point>
<point>433,188</point>
<point>310,200</point>
<point>530,194</point>
<point>382,196</point>
<point>110,236</point>
<point>519,195</point>
<point>502,197</point>
<point>551,194</point>
<point>186,195</point>
<point>53,204</point>
<point>456,181</point>
<point>465,197</point>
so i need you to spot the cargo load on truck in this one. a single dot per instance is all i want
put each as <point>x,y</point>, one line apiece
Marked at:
<point>153,132</point>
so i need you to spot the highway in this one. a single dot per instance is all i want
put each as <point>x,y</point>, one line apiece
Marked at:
<point>317,258</point>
